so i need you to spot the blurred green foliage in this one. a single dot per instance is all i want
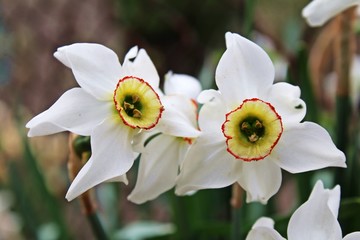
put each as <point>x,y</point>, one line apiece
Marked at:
<point>188,37</point>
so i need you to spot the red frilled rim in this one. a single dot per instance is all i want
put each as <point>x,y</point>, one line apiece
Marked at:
<point>119,110</point>
<point>230,137</point>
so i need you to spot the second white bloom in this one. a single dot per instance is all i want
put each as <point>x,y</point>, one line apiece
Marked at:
<point>251,129</point>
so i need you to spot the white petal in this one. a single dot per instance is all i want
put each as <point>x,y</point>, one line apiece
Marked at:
<point>263,229</point>
<point>264,222</point>
<point>332,196</point>
<point>306,147</point>
<point>96,68</point>
<point>181,84</point>
<point>140,139</point>
<point>244,70</point>
<point>286,100</point>
<point>203,169</point>
<point>179,117</point>
<point>261,180</point>
<point>111,157</point>
<point>121,178</point>
<point>352,236</point>
<point>158,168</point>
<point>209,95</point>
<point>314,220</point>
<point>319,12</point>
<point>75,111</point>
<point>212,113</point>
<point>141,67</point>
<point>131,54</point>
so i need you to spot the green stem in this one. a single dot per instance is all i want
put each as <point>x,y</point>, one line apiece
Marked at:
<point>96,226</point>
<point>344,48</point>
<point>249,17</point>
<point>49,199</point>
<point>235,223</point>
<point>236,202</point>
<point>180,217</point>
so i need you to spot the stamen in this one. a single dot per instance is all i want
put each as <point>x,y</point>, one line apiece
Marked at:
<point>137,103</point>
<point>252,130</point>
<point>136,113</point>
<point>253,137</point>
<point>245,126</point>
<point>258,124</point>
<point>135,98</point>
<point>128,106</point>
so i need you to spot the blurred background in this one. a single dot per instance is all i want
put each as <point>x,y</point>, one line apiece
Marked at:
<point>179,35</point>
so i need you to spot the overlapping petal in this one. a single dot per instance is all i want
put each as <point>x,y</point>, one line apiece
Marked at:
<point>212,113</point>
<point>318,12</point>
<point>207,169</point>
<point>181,84</point>
<point>141,66</point>
<point>263,229</point>
<point>286,100</point>
<point>75,111</point>
<point>314,220</point>
<point>112,156</point>
<point>179,117</point>
<point>244,70</point>
<point>261,180</point>
<point>305,147</point>
<point>96,68</point>
<point>158,168</point>
<point>352,236</point>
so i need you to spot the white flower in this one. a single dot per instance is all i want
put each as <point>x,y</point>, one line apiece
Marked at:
<point>161,157</point>
<point>113,104</point>
<point>251,129</point>
<point>316,219</point>
<point>318,12</point>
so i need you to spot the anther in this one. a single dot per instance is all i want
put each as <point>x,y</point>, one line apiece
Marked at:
<point>258,124</point>
<point>128,106</point>
<point>253,137</point>
<point>136,113</point>
<point>135,98</point>
<point>245,126</point>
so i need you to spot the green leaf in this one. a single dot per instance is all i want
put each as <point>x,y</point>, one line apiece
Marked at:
<point>144,230</point>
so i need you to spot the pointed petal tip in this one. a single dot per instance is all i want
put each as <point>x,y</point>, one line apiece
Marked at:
<point>135,199</point>
<point>132,53</point>
<point>70,195</point>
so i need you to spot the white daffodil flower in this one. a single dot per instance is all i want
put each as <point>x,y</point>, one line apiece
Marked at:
<point>251,129</point>
<point>318,12</point>
<point>113,104</point>
<point>316,219</point>
<point>161,157</point>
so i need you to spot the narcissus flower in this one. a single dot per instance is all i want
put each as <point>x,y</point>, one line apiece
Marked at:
<point>318,12</point>
<point>316,219</point>
<point>161,157</point>
<point>113,104</point>
<point>251,129</point>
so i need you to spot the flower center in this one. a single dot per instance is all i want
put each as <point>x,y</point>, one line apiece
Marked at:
<point>252,130</point>
<point>137,103</point>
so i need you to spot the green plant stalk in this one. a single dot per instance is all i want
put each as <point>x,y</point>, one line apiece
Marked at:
<point>49,199</point>
<point>236,213</point>
<point>96,226</point>
<point>344,55</point>
<point>249,17</point>
<point>236,223</point>
<point>181,217</point>
<point>30,219</point>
